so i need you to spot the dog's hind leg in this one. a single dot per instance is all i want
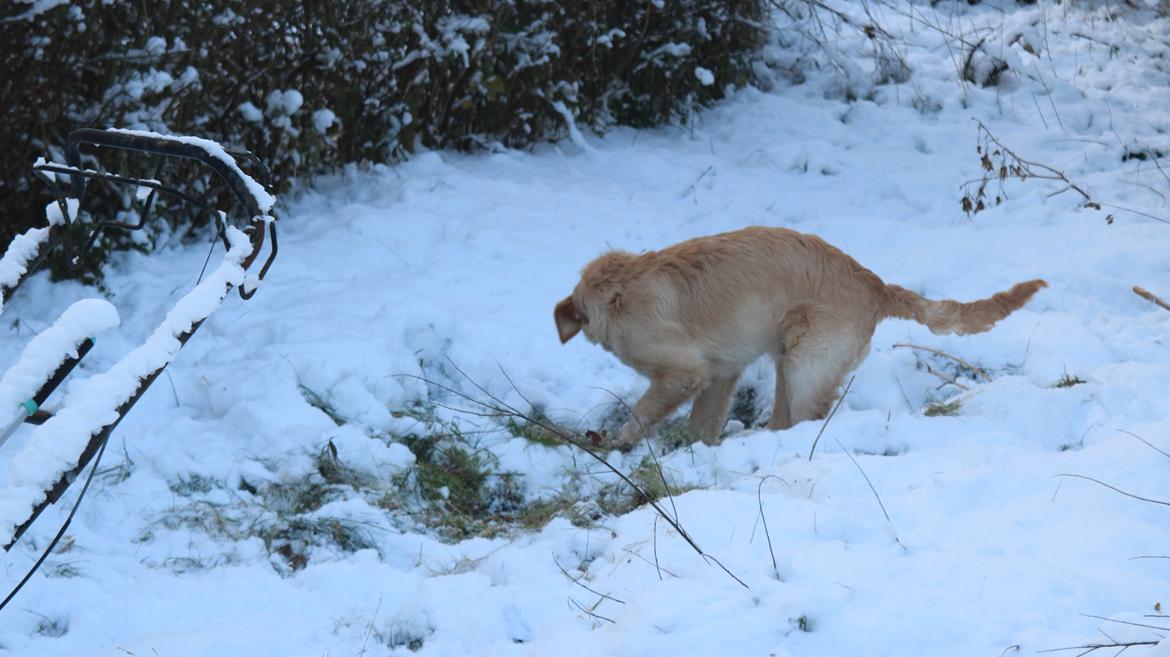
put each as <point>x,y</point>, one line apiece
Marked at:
<point>817,364</point>
<point>710,409</point>
<point>781,419</point>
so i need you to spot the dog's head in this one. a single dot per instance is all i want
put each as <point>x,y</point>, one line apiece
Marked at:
<point>598,296</point>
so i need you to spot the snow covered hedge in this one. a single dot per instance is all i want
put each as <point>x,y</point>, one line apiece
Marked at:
<point>310,86</point>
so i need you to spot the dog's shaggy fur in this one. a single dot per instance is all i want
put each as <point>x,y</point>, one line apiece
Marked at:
<point>692,316</point>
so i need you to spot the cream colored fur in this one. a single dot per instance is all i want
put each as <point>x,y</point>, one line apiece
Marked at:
<point>690,317</point>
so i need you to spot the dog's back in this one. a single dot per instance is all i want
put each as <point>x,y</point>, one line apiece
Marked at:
<point>738,293</point>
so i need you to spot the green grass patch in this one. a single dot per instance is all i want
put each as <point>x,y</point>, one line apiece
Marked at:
<point>1067,380</point>
<point>654,484</point>
<point>535,431</point>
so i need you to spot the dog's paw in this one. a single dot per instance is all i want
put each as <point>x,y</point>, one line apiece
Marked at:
<point>631,433</point>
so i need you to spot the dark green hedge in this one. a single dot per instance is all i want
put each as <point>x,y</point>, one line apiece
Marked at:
<point>312,85</point>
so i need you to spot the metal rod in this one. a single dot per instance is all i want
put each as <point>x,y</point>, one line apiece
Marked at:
<point>23,411</point>
<point>95,443</point>
<point>29,408</point>
<point>63,371</point>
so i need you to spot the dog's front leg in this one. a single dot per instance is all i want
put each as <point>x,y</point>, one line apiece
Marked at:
<point>667,392</point>
<point>710,410</point>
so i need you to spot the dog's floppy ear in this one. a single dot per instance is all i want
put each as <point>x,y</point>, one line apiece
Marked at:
<point>569,319</point>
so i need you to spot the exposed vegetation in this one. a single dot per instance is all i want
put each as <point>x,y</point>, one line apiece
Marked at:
<point>943,408</point>
<point>1067,380</point>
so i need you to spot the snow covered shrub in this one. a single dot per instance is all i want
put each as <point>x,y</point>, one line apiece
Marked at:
<point>312,86</point>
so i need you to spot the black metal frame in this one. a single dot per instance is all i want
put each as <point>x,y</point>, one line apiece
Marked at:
<point>164,148</point>
<point>258,223</point>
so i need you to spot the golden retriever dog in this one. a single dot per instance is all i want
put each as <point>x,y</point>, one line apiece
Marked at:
<point>690,317</point>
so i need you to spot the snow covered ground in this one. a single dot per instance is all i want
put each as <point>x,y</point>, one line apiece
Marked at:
<point>453,261</point>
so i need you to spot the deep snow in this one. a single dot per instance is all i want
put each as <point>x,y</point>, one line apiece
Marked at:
<point>452,260</point>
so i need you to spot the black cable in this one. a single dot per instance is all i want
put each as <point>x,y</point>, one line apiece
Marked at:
<point>210,250</point>
<point>60,533</point>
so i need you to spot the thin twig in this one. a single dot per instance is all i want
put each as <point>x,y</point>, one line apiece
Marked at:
<point>830,417</point>
<point>1048,93</point>
<point>657,567</point>
<point>1052,173</point>
<point>978,370</point>
<point>1148,443</point>
<point>1151,297</point>
<point>1121,622</point>
<point>767,534</point>
<point>1116,489</point>
<point>708,557</point>
<point>577,581</point>
<point>1090,647</point>
<point>1023,169</point>
<point>1154,158</point>
<point>590,612</point>
<point>866,477</point>
<point>370,627</point>
<point>627,550</point>
<point>649,448</point>
<point>1137,212</point>
<point>662,478</point>
<point>693,188</point>
<point>946,378</point>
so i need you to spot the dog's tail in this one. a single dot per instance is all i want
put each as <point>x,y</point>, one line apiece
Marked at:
<point>955,317</point>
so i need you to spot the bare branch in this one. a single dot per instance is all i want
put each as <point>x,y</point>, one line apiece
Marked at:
<point>635,553</point>
<point>1148,443</point>
<point>590,612</point>
<point>1116,489</point>
<point>708,557</point>
<point>577,581</point>
<point>866,477</point>
<point>830,417</point>
<point>1090,647</point>
<point>1014,166</point>
<point>1121,622</point>
<point>657,567</point>
<point>946,379</point>
<point>503,409</point>
<point>767,534</point>
<point>978,370</point>
<point>653,456</point>
<point>370,627</point>
<point>1151,297</point>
